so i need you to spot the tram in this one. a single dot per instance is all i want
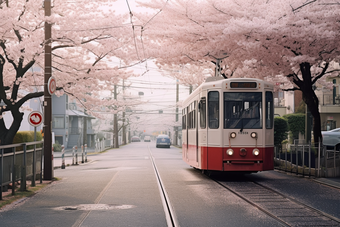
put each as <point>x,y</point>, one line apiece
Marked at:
<point>228,125</point>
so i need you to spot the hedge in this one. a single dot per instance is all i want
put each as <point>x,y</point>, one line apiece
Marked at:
<point>26,136</point>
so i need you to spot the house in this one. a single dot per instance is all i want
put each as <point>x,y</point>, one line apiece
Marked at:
<point>329,105</point>
<point>286,102</point>
<point>71,127</point>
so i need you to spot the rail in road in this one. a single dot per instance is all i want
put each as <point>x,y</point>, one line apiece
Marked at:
<point>169,213</point>
<point>284,209</point>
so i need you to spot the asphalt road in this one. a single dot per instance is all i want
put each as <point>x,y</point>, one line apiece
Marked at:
<point>120,188</point>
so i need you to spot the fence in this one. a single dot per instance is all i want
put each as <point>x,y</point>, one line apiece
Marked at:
<point>19,162</point>
<point>307,160</point>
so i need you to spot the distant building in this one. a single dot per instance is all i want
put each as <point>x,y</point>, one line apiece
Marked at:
<point>70,125</point>
<point>329,105</point>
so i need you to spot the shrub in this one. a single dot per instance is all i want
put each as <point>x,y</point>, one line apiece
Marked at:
<point>26,136</point>
<point>296,124</point>
<point>100,136</point>
<point>280,130</point>
<point>57,147</point>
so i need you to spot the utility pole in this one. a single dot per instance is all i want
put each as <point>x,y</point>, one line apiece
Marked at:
<point>176,127</point>
<point>48,156</point>
<point>124,127</point>
<point>218,68</point>
<point>115,121</point>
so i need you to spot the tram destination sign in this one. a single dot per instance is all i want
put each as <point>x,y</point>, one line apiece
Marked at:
<point>243,85</point>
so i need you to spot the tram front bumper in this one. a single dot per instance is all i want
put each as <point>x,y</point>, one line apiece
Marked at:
<point>242,165</point>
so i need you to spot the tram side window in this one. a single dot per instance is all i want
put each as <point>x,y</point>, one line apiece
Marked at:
<point>184,125</point>
<point>202,112</point>
<point>213,109</point>
<point>193,119</point>
<point>269,110</point>
<point>191,116</point>
<point>189,120</point>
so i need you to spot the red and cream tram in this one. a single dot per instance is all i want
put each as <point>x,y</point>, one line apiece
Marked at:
<point>228,125</point>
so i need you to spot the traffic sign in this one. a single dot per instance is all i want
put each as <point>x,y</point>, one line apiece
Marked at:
<point>35,118</point>
<point>51,85</point>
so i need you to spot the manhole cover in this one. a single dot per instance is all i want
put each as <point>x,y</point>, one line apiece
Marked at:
<point>95,207</point>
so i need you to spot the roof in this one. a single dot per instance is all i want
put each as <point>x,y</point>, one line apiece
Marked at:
<point>78,113</point>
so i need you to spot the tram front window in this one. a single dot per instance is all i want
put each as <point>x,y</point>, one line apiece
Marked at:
<point>242,110</point>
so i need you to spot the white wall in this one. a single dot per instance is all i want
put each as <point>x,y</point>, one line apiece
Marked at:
<point>289,101</point>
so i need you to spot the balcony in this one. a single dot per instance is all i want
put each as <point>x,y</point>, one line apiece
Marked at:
<point>328,103</point>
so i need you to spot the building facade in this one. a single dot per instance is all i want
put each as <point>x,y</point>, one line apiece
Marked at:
<point>71,127</point>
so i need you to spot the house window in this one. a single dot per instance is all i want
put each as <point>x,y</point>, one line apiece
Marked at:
<point>58,122</point>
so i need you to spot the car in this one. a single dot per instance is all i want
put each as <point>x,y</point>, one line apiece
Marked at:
<point>135,139</point>
<point>147,139</point>
<point>331,139</point>
<point>163,141</point>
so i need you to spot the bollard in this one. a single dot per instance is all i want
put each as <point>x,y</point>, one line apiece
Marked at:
<point>82,154</point>
<point>76,155</point>
<point>85,152</point>
<point>63,157</point>
<point>73,148</point>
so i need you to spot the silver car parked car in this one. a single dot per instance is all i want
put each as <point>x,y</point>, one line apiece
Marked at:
<point>331,139</point>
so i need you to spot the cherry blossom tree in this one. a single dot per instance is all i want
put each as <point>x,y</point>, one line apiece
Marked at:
<point>294,42</point>
<point>91,48</point>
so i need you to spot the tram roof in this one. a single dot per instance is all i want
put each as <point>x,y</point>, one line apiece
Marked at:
<point>218,82</point>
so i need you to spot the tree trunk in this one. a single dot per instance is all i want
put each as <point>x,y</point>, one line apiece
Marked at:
<point>310,98</point>
<point>7,135</point>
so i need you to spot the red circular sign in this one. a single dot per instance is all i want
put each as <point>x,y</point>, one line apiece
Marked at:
<point>52,85</point>
<point>35,118</point>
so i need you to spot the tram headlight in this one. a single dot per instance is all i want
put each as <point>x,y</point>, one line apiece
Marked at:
<point>256,152</point>
<point>233,135</point>
<point>230,152</point>
<point>253,135</point>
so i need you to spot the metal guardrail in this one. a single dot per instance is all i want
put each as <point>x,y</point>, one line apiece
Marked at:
<point>19,162</point>
<point>304,159</point>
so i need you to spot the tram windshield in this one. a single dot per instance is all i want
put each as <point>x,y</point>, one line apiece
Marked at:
<point>243,110</point>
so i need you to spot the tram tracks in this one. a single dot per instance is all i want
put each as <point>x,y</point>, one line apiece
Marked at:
<point>286,210</point>
<point>169,213</point>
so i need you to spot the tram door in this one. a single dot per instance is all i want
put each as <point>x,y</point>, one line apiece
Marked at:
<point>202,130</point>
<point>213,130</point>
<point>191,133</point>
<point>187,135</point>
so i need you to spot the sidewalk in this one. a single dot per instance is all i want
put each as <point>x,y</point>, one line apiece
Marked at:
<point>68,157</point>
<point>333,182</point>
